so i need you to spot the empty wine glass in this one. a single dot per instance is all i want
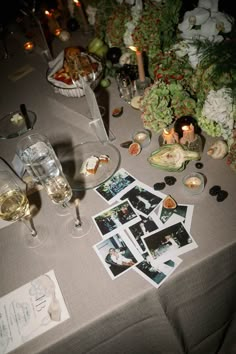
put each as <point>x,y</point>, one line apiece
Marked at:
<point>14,206</point>
<point>46,167</point>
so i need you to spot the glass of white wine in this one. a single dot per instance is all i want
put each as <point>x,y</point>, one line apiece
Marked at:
<point>46,167</point>
<point>14,206</point>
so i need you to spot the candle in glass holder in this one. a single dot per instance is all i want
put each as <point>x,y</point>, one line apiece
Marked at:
<point>143,137</point>
<point>29,47</point>
<point>168,136</point>
<point>193,183</point>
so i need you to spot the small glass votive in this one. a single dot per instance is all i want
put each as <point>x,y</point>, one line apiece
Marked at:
<point>142,136</point>
<point>194,183</point>
<point>29,47</point>
<point>142,85</point>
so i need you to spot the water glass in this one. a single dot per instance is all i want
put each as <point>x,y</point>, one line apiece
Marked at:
<point>125,87</point>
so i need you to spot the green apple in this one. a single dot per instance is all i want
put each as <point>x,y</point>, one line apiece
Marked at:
<point>102,51</point>
<point>95,44</point>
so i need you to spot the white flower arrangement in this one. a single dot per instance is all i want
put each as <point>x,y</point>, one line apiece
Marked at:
<point>130,26</point>
<point>217,116</point>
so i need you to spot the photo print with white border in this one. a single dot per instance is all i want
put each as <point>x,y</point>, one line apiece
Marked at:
<point>111,189</point>
<point>168,242</point>
<point>156,272</point>
<point>144,226</point>
<point>143,198</point>
<point>117,254</point>
<point>184,212</point>
<point>115,218</point>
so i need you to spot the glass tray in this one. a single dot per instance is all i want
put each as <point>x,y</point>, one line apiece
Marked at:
<point>73,159</point>
<point>10,128</point>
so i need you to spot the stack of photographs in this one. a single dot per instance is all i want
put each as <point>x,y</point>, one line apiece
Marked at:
<point>138,232</point>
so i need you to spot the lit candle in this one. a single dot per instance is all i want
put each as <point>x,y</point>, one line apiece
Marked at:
<point>81,12</point>
<point>29,46</point>
<point>52,22</point>
<point>139,58</point>
<point>194,183</point>
<point>188,134</point>
<point>142,137</point>
<point>168,136</point>
<point>57,32</point>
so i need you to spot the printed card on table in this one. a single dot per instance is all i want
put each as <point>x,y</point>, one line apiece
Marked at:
<point>117,254</point>
<point>117,184</point>
<point>30,310</point>
<point>143,198</point>
<point>115,218</point>
<point>169,242</point>
<point>156,272</point>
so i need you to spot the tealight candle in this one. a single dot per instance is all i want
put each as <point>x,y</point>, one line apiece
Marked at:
<point>29,47</point>
<point>143,137</point>
<point>194,183</point>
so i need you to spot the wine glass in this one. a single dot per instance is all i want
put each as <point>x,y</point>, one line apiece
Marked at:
<point>24,151</point>
<point>14,206</point>
<point>44,165</point>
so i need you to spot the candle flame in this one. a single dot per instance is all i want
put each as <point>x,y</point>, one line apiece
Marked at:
<point>185,128</point>
<point>166,131</point>
<point>134,49</point>
<point>47,13</point>
<point>77,2</point>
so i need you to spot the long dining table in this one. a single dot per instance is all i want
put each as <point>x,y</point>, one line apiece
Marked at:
<point>194,309</point>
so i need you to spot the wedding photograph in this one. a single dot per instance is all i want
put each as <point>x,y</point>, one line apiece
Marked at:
<point>143,198</point>
<point>141,228</point>
<point>156,272</point>
<point>170,241</point>
<point>116,217</point>
<point>111,189</point>
<point>117,254</point>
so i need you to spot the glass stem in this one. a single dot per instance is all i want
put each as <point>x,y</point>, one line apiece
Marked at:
<point>30,226</point>
<point>76,217</point>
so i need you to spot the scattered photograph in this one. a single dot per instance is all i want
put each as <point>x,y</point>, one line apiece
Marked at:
<point>141,228</point>
<point>170,241</point>
<point>119,216</point>
<point>156,272</point>
<point>117,254</point>
<point>143,198</point>
<point>111,189</point>
<point>183,211</point>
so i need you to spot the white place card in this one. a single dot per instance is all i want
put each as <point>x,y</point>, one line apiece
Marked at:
<point>30,310</point>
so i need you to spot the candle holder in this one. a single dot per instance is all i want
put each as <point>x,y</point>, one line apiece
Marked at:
<point>142,85</point>
<point>194,183</point>
<point>29,47</point>
<point>142,136</point>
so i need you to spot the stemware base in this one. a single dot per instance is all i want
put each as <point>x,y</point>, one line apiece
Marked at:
<point>78,231</point>
<point>35,241</point>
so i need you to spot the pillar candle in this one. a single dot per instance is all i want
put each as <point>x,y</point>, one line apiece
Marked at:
<point>188,134</point>
<point>139,58</point>
<point>141,72</point>
<point>168,137</point>
<point>82,15</point>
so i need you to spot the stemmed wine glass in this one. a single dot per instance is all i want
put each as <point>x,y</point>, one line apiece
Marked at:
<point>14,206</point>
<point>46,167</point>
